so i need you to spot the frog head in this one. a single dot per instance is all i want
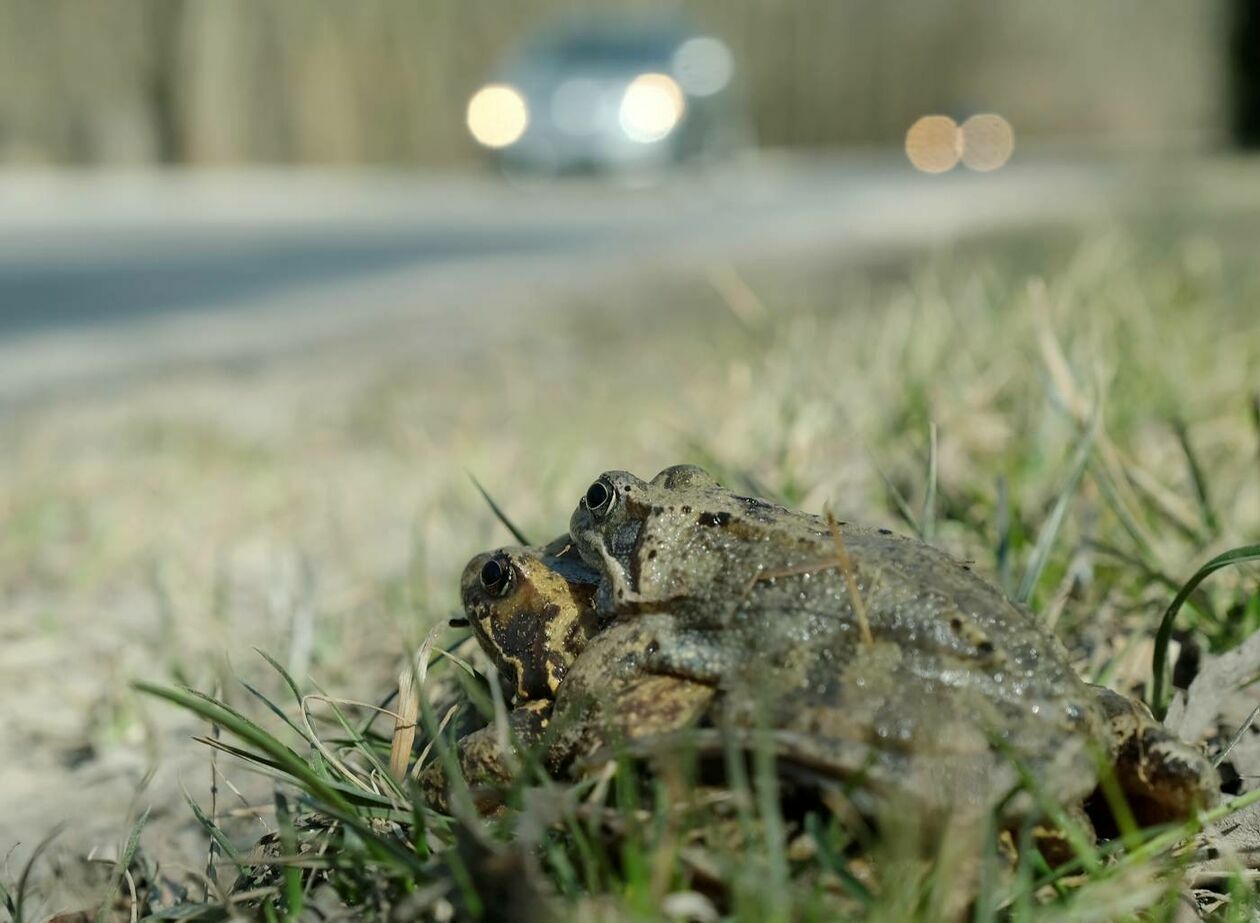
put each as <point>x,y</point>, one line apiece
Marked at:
<point>532,611</point>
<point>641,535</point>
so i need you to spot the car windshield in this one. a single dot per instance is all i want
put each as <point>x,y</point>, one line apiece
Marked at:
<point>612,48</point>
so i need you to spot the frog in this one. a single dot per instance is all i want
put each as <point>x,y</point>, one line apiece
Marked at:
<point>858,654</point>
<point>531,610</point>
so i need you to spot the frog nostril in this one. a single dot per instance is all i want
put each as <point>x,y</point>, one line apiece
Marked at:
<point>495,577</point>
<point>599,496</point>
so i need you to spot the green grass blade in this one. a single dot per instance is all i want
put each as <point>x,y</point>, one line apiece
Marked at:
<point>330,798</point>
<point>851,884</point>
<point>928,517</point>
<point>247,756</point>
<point>276,710</point>
<point>211,705</point>
<point>1255,419</point>
<point>1082,844</point>
<point>360,797</point>
<point>214,832</point>
<point>7,899</point>
<point>241,727</point>
<point>1124,515</point>
<point>419,822</point>
<point>900,503</point>
<point>121,866</point>
<point>1133,561</point>
<point>1159,660</point>
<point>770,817</point>
<point>292,875</point>
<point>365,748</point>
<point>19,901</point>
<point>441,653</point>
<point>1206,510</point>
<point>1003,524</point>
<point>1049,532</point>
<point>284,674</point>
<point>498,512</point>
<point>192,913</point>
<point>1198,600</point>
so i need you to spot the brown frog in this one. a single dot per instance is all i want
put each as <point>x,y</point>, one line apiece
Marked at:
<point>532,611</point>
<point>867,656</point>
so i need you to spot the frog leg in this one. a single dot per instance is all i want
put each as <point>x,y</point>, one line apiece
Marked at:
<point>646,708</point>
<point>696,655</point>
<point>613,694</point>
<point>1054,843</point>
<point>1162,778</point>
<point>488,758</point>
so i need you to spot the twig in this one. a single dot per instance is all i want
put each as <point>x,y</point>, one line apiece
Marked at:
<point>846,569</point>
<point>841,562</point>
<point>1238,735</point>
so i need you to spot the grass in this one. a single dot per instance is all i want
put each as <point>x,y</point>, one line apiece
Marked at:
<point>1074,415</point>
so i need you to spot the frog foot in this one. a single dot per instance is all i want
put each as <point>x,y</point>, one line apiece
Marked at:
<point>488,759</point>
<point>1162,778</point>
<point>694,655</point>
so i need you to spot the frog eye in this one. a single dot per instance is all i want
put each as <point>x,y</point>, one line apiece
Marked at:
<point>496,577</point>
<point>599,496</point>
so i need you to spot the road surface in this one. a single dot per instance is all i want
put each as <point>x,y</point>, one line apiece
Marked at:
<point>111,273</point>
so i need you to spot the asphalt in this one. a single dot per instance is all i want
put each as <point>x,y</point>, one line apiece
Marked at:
<point>111,273</point>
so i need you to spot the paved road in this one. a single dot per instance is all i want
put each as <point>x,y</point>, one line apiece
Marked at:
<point>108,273</point>
<point>205,271</point>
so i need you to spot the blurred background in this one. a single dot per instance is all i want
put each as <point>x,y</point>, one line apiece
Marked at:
<point>381,82</point>
<point>277,275</point>
<point>233,173</point>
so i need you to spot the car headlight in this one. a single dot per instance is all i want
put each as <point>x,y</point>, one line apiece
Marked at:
<point>703,65</point>
<point>497,115</point>
<point>651,106</point>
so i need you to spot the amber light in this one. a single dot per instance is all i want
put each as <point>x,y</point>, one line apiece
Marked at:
<point>934,144</point>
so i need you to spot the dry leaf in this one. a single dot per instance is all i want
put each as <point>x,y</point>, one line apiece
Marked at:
<point>1219,694</point>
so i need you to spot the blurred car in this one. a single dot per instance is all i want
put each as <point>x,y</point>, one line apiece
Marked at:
<point>610,94</point>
